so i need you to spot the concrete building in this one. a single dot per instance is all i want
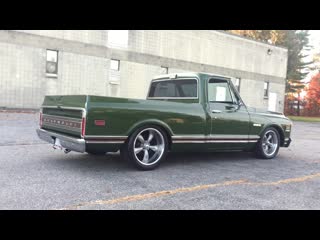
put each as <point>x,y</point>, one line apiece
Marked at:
<point>35,63</point>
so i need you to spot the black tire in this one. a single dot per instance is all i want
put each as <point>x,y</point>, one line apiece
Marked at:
<point>262,148</point>
<point>154,156</point>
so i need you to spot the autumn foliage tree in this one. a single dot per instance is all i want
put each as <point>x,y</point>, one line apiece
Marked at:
<point>297,42</point>
<point>313,96</point>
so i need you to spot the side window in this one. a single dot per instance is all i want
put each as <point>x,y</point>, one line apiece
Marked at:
<point>180,88</point>
<point>222,96</point>
<point>219,91</point>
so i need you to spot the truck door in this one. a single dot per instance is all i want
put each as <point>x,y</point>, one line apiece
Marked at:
<point>229,116</point>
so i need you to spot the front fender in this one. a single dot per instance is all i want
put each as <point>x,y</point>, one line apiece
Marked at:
<point>276,126</point>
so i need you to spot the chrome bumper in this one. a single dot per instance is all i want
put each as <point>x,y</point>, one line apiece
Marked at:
<point>73,144</point>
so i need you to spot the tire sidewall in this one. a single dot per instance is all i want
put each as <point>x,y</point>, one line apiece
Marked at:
<point>129,149</point>
<point>259,148</point>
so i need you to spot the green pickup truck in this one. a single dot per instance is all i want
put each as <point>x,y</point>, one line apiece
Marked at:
<point>182,112</point>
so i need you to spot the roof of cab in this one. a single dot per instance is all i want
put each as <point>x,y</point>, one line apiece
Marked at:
<point>188,75</point>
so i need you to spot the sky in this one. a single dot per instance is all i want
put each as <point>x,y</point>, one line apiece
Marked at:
<point>314,39</point>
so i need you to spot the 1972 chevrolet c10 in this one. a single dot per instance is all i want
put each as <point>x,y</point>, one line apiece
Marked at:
<point>183,112</point>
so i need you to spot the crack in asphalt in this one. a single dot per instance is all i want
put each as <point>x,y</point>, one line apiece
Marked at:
<point>190,189</point>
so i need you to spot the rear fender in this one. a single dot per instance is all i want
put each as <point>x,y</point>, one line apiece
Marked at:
<point>150,122</point>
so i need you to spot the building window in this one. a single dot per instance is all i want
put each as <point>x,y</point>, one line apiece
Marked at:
<point>237,82</point>
<point>52,63</point>
<point>266,89</point>
<point>114,89</point>
<point>115,65</point>
<point>164,70</point>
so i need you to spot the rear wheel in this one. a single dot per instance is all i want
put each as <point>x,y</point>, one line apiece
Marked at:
<point>268,145</point>
<point>146,148</point>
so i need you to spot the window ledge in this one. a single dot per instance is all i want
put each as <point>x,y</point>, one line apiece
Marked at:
<point>51,75</point>
<point>114,83</point>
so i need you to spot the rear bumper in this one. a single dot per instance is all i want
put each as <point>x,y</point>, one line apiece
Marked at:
<point>74,144</point>
<point>287,142</point>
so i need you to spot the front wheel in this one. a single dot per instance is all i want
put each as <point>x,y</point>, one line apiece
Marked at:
<point>268,145</point>
<point>146,147</point>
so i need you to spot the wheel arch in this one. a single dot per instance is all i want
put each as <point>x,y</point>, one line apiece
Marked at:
<point>153,122</point>
<point>278,128</point>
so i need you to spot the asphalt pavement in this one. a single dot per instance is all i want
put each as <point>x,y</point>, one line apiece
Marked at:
<point>35,176</point>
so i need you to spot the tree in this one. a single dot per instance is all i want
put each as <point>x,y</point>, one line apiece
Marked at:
<point>270,36</point>
<point>297,42</point>
<point>316,62</point>
<point>313,96</point>
<point>297,70</point>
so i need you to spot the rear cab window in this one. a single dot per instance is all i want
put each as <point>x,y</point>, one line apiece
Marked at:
<point>174,89</point>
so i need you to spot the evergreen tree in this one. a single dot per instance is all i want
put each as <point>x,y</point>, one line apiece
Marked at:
<point>297,42</point>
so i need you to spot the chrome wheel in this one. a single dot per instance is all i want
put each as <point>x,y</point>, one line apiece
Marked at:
<point>270,143</point>
<point>148,146</point>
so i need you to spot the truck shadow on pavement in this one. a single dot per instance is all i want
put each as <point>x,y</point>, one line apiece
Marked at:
<point>113,161</point>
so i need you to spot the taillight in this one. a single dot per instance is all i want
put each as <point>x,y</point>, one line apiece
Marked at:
<point>40,120</point>
<point>83,127</point>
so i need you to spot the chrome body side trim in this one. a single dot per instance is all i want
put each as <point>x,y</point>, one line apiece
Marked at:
<point>62,107</point>
<point>104,142</point>
<point>216,137</point>
<point>105,137</point>
<point>188,136</point>
<point>214,141</point>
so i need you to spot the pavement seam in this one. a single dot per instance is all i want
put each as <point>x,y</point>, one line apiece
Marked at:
<point>189,189</point>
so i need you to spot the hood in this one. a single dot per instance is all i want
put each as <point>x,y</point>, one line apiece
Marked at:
<point>261,111</point>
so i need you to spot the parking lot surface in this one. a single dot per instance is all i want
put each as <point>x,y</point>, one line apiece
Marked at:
<point>35,176</point>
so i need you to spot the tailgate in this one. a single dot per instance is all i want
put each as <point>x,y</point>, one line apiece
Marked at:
<point>63,114</point>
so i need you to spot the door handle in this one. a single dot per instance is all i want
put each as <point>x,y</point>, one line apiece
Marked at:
<point>216,111</point>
